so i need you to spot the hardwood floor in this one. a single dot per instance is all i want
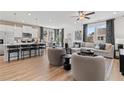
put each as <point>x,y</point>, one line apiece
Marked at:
<point>116,75</point>
<point>38,68</point>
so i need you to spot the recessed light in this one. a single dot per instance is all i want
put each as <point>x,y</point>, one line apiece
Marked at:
<point>29,14</point>
<point>114,13</point>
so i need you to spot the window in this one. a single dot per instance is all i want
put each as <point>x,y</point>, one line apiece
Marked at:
<point>90,34</point>
<point>96,33</point>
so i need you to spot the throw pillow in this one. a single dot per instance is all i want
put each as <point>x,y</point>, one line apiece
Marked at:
<point>102,46</point>
<point>108,46</point>
<point>96,46</point>
<point>76,46</point>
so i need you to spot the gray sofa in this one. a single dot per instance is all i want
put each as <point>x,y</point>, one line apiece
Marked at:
<point>88,68</point>
<point>55,56</point>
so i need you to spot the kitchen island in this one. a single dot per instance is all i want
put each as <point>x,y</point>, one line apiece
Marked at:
<point>20,51</point>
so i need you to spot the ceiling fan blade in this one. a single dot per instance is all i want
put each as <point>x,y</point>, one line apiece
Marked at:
<point>87,17</point>
<point>74,16</point>
<point>90,13</point>
<point>78,19</point>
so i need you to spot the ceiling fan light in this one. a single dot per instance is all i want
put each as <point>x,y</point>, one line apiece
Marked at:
<point>81,18</point>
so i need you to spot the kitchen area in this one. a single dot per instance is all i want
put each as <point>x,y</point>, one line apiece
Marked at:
<point>16,38</point>
<point>12,33</point>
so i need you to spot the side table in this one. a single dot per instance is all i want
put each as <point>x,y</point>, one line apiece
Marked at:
<point>67,65</point>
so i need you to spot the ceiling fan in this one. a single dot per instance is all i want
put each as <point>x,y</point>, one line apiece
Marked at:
<point>83,15</point>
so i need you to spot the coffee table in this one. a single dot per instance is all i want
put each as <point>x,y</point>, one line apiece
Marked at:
<point>87,53</point>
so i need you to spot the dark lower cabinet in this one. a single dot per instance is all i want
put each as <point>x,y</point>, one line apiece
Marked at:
<point>121,59</point>
<point>122,64</point>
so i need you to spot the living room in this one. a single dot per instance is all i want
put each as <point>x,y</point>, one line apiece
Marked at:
<point>56,45</point>
<point>61,46</point>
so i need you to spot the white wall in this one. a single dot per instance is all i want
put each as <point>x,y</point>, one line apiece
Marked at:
<point>69,31</point>
<point>119,30</point>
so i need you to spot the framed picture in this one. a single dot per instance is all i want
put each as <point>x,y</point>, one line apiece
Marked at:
<point>78,35</point>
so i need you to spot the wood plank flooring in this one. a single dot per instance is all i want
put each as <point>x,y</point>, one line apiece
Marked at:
<point>38,68</point>
<point>35,68</point>
<point>116,75</point>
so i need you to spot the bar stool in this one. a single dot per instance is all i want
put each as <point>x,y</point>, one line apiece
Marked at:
<point>40,47</point>
<point>25,48</point>
<point>44,47</point>
<point>13,49</point>
<point>34,48</point>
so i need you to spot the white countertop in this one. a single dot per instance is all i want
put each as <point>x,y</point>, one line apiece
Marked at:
<point>121,51</point>
<point>22,43</point>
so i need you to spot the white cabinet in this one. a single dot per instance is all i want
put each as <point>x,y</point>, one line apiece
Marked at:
<point>18,32</point>
<point>1,49</point>
<point>9,37</point>
<point>2,35</point>
<point>1,45</point>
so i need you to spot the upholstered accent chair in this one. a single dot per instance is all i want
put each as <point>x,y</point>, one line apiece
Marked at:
<point>88,68</point>
<point>55,56</point>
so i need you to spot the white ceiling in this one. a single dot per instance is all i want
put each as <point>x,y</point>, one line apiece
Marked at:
<point>57,19</point>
